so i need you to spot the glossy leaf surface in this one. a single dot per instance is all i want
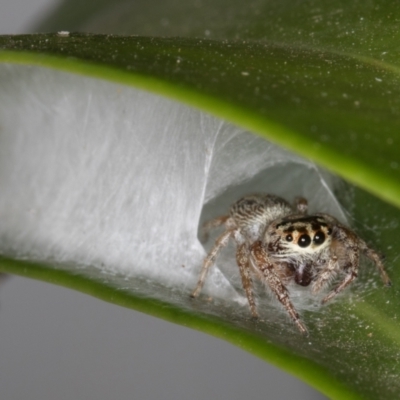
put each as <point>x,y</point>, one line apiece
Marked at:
<point>333,108</point>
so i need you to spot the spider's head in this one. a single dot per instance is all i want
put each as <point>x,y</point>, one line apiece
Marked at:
<point>298,238</point>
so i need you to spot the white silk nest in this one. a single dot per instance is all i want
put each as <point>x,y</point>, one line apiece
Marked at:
<point>99,174</point>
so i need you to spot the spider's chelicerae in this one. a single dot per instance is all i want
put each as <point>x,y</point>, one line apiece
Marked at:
<point>280,243</point>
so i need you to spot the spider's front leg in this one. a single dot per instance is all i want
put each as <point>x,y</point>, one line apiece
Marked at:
<point>266,272</point>
<point>347,253</point>
<point>326,275</point>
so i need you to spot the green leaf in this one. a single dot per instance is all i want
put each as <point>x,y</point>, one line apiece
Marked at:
<point>320,79</point>
<point>332,108</point>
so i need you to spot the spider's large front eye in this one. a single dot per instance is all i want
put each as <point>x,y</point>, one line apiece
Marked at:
<point>304,241</point>
<point>319,238</point>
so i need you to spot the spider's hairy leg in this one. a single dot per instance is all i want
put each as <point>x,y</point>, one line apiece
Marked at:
<point>267,274</point>
<point>377,260</point>
<point>243,261</point>
<point>328,273</point>
<point>345,282</point>
<point>221,242</point>
<point>211,224</point>
<point>301,205</point>
<point>349,244</point>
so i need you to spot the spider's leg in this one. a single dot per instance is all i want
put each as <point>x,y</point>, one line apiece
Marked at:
<point>352,254</point>
<point>211,224</point>
<point>345,282</point>
<point>377,260</point>
<point>243,261</point>
<point>266,272</point>
<point>221,242</point>
<point>301,205</point>
<point>325,275</point>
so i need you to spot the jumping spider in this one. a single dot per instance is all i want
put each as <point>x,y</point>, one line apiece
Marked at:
<point>280,243</point>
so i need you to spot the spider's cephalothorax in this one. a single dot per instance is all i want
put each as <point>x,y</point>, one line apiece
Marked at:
<point>281,243</point>
<point>302,243</point>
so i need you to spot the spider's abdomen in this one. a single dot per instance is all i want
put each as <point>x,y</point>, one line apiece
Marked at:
<point>253,213</point>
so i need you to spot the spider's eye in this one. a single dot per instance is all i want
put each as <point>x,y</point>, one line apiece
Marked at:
<point>304,241</point>
<point>289,238</point>
<point>319,238</point>
<point>329,231</point>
